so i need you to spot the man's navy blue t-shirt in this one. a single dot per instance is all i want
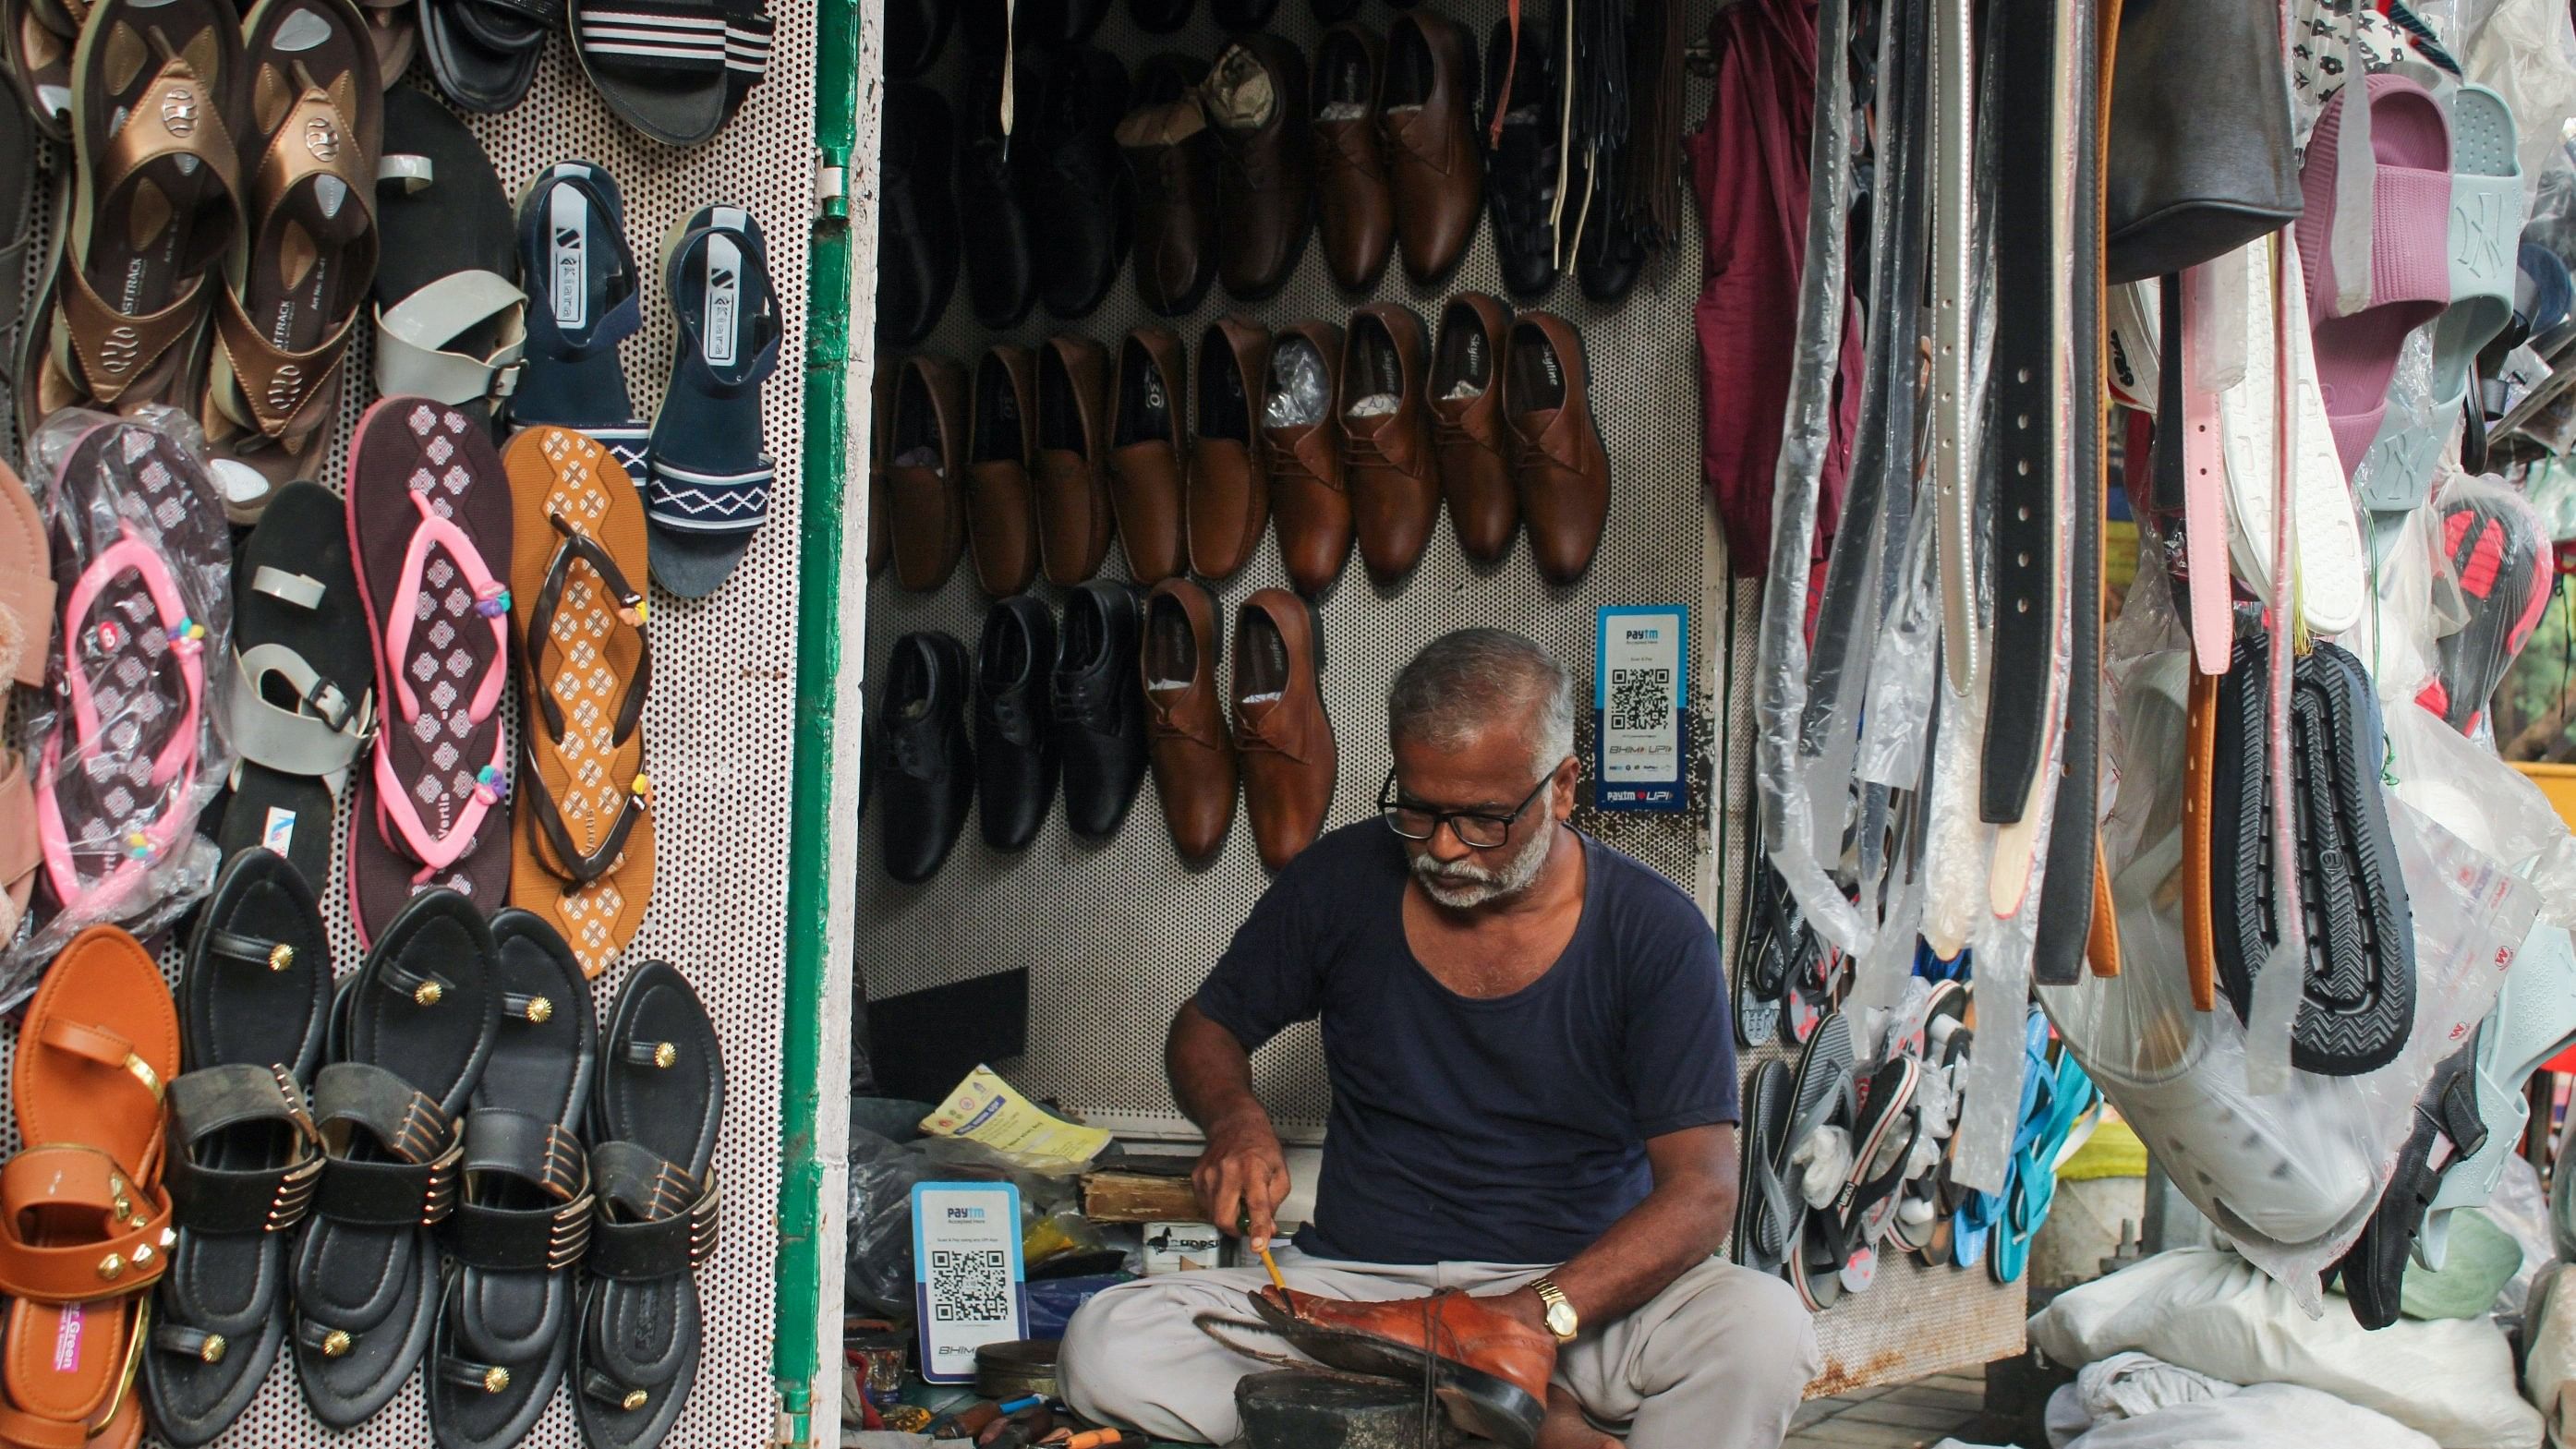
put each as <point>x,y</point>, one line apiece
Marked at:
<point>1502,1130</point>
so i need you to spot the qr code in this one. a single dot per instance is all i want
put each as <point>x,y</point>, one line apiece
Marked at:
<point>970,1285</point>
<point>1640,699</point>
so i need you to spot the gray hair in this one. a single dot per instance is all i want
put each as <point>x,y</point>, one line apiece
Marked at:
<point>1462,683</point>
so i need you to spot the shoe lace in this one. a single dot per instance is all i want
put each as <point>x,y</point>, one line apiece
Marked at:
<point>1073,706</point>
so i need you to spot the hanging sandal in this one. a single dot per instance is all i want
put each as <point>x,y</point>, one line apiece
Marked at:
<point>584,851</point>
<point>37,37</point>
<point>244,1153</point>
<point>299,272</point>
<point>581,287</point>
<point>483,53</point>
<point>709,476</point>
<point>86,1229</point>
<point>659,64</point>
<point>653,1128</point>
<point>450,320</point>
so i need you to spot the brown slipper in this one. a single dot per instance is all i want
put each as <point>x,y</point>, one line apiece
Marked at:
<point>299,272</point>
<point>38,36</point>
<point>583,857</point>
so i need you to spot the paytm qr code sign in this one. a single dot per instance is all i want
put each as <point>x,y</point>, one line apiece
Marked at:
<point>1640,679</point>
<point>966,1273</point>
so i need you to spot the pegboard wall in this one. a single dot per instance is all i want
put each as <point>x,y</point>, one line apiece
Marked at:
<point>1116,934</point>
<point>719,725</point>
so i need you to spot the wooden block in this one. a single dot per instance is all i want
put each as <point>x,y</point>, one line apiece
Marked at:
<point>1123,1195</point>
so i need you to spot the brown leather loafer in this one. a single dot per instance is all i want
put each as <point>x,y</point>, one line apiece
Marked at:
<point>1355,206</point>
<point>1309,502</point>
<point>1557,461</point>
<point>1432,152</point>
<point>1387,457</point>
<point>925,472</point>
<point>1146,436</point>
<point>1467,430</point>
<point>1073,457</point>
<point>1001,500</point>
<point>1171,157</point>
<point>1194,769</point>
<point>1255,97</point>
<point>1229,487</point>
<point>1489,1369</point>
<point>880,486</point>
<point>1281,734</point>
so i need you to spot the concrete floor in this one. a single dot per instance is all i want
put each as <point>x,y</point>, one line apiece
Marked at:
<point>1898,1416</point>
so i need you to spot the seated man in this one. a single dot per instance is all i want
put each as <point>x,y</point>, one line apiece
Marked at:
<point>1534,1101</point>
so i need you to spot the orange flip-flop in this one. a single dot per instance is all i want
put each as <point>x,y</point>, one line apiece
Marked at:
<point>85,1225</point>
<point>582,855</point>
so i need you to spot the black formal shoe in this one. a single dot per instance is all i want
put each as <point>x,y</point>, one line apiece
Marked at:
<point>1242,14</point>
<point>1161,17</point>
<point>1076,192</point>
<point>1520,173</point>
<point>917,240</point>
<point>929,779</point>
<point>1001,272</point>
<point>1015,743</point>
<point>1099,711</point>
<point>915,32</point>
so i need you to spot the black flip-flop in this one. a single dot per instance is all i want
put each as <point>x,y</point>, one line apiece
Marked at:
<point>413,1029</point>
<point>504,1336</point>
<point>659,64</point>
<point>483,53</point>
<point>243,1150</point>
<point>302,701</point>
<point>1767,1209</point>
<point>653,1126</point>
<point>2374,1268</point>
<point>450,317</point>
<point>1761,967</point>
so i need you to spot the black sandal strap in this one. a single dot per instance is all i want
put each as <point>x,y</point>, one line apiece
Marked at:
<point>655,1220</point>
<point>249,950</point>
<point>210,1199</point>
<point>489,1378</point>
<point>419,1189</point>
<point>517,1145</point>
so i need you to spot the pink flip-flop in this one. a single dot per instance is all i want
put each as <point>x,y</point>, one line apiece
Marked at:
<point>2410,260</point>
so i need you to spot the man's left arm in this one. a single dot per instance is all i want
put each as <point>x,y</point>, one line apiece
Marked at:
<point>1679,1225</point>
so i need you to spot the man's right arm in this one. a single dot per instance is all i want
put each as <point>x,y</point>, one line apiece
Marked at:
<point>1242,1172</point>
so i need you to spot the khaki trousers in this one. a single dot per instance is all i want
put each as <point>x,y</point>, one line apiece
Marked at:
<point>1718,1360</point>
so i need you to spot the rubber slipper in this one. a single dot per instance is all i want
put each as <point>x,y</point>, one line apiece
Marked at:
<point>151,228</point>
<point>117,777</point>
<point>429,519</point>
<point>2410,280</point>
<point>1976,1234</point>
<point>581,286</point>
<point>2485,220</point>
<point>450,321</point>
<point>302,696</point>
<point>2533,1020</point>
<point>26,643</point>
<point>653,1131</point>
<point>38,38</point>
<point>659,64</point>
<point>244,1153</point>
<point>1885,1130</point>
<point>1822,1092</point>
<point>393,27</point>
<point>504,1337</point>
<point>583,850</point>
<point>2446,1123</point>
<point>707,480</point>
<point>1815,972</point>
<point>2328,561</point>
<point>298,273</point>
<point>87,1230</point>
<point>2358,1001</point>
<point>483,53</point>
<point>413,1029</point>
<point>2501,556</point>
<point>22,193</point>
<point>1761,967</point>
<point>2074,1111</point>
<point>750,36</point>
<point>1765,1194</point>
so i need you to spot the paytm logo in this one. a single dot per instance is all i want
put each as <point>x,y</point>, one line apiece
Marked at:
<point>1647,635</point>
<point>965,1215</point>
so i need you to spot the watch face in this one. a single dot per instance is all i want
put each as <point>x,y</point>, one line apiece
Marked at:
<point>1560,1319</point>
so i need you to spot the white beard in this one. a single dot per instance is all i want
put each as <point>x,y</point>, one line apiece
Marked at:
<point>1463,887</point>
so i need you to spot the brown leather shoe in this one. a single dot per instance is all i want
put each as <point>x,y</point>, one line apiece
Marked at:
<point>880,486</point>
<point>1466,400</point>
<point>1491,1369</point>
<point>1229,487</point>
<point>1185,719</point>
<point>1356,209</point>
<point>1281,734</point>
<point>1255,97</point>
<point>1310,505</point>
<point>1001,499</point>
<point>1171,155</point>
<point>1557,461</point>
<point>1387,457</point>
<point>1073,457</point>
<point>1432,152</point>
<point>925,471</point>
<point>1146,436</point>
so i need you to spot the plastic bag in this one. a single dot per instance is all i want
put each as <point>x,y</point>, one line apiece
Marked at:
<point>2125,1386</point>
<point>2260,1416</point>
<point>127,748</point>
<point>882,1174</point>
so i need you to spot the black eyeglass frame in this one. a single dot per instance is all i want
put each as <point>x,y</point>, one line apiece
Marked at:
<point>1387,807</point>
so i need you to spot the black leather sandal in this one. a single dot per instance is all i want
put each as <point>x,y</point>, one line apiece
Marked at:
<point>504,1335</point>
<point>653,1126</point>
<point>414,1029</point>
<point>244,1153</point>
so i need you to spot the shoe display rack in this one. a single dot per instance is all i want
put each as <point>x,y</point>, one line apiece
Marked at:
<point>720,717</point>
<point>1116,934</point>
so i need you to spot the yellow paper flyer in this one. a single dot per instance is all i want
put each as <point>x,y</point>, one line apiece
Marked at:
<point>988,1110</point>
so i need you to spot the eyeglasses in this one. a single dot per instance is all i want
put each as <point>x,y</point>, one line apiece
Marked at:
<point>1475,829</point>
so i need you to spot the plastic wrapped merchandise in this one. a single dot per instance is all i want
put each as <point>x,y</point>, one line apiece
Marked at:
<point>2260,1416</point>
<point>882,1174</point>
<point>2496,569</point>
<point>125,750</point>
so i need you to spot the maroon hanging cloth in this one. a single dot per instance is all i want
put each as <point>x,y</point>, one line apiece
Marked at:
<point>1749,170</point>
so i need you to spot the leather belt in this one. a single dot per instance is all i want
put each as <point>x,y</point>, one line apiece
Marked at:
<point>1952,166</point>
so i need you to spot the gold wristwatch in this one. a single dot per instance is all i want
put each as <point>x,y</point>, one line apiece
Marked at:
<point>1561,1317</point>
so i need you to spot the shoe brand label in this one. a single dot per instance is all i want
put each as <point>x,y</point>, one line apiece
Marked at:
<point>179,112</point>
<point>105,638</point>
<point>277,832</point>
<point>67,1340</point>
<point>568,217</point>
<point>724,299</point>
